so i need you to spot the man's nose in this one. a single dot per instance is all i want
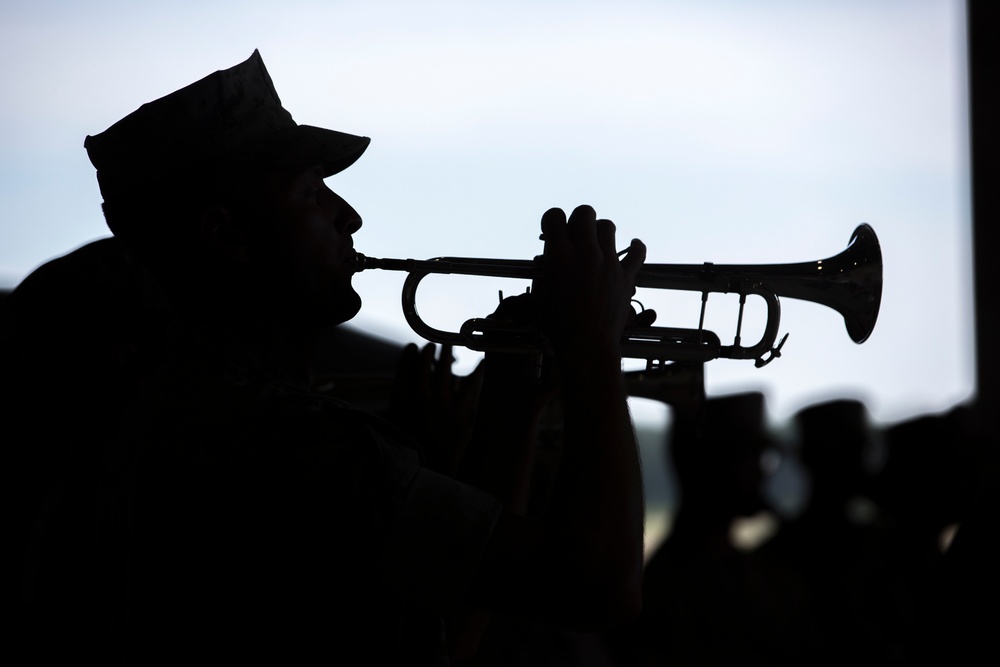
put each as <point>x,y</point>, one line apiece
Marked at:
<point>347,219</point>
<point>350,221</point>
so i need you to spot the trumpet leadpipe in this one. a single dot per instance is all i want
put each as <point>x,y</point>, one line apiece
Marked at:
<point>468,266</point>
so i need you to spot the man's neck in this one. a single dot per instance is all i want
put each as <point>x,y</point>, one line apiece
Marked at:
<point>286,342</point>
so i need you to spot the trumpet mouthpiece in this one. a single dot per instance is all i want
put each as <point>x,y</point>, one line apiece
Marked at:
<point>363,262</point>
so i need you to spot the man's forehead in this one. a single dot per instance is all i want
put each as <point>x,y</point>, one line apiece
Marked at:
<point>285,177</point>
<point>309,175</point>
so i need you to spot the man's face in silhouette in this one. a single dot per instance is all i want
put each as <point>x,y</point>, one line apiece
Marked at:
<point>311,246</point>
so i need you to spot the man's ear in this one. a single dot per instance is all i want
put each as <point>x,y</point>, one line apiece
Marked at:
<point>222,235</point>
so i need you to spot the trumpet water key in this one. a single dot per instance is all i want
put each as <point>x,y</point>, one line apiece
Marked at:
<point>850,283</point>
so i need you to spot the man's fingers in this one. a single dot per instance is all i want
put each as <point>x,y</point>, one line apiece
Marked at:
<point>425,367</point>
<point>634,259</point>
<point>406,365</point>
<point>581,228</point>
<point>553,228</point>
<point>443,378</point>
<point>606,238</point>
<point>447,356</point>
<point>644,319</point>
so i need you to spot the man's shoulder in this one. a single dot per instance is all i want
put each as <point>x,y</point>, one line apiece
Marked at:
<point>226,396</point>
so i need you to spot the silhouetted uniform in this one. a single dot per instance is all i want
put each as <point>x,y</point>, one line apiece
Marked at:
<point>941,473</point>
<point>703,601</point>
<point>828,565</point>
<point>262,518</point>
<point>86,329</point>
<point>927,486</point>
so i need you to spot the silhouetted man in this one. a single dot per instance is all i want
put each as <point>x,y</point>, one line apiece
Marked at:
<point>701,594</point>
<point>247,517</point>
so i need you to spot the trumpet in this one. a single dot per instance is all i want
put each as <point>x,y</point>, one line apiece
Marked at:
<point>849,282</point>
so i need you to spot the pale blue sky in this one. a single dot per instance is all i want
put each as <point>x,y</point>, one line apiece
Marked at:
<point>740,132</point>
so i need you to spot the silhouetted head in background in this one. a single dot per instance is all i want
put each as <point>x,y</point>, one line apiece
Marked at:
<point>720,466</point>
<point>934,471</point>
<point>839,450</point>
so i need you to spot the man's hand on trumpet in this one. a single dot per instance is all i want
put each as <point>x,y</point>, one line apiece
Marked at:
<point>434,406</point>
<point>585,297</point>
<point>586,294</point>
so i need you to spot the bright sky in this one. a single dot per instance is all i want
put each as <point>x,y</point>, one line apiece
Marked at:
<point>724,131</point>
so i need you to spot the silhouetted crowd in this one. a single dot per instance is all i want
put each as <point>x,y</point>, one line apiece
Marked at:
<point>889,558</point>
<point>850,576</point>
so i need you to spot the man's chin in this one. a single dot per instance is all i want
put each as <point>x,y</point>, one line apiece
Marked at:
<point>346,309</point>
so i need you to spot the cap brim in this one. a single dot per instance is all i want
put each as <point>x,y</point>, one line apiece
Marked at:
<point>305,145</point>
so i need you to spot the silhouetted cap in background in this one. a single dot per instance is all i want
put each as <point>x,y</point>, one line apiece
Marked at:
<point>839,442</point>
<point>232,117</point>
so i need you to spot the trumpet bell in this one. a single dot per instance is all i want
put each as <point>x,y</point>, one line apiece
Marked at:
<point>849,283</point>
<point>864,294</point>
